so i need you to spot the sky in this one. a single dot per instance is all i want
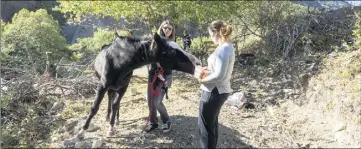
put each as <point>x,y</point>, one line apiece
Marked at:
<point>355,3</point>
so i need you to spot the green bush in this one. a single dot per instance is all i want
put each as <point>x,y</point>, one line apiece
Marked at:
<point>28,37</point>
<point>93,44</point>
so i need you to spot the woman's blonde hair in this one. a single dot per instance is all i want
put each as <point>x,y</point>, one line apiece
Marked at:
<point>161,33</point>
<point>222,29</point>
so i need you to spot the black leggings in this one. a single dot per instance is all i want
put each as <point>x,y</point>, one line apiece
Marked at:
<point>209,108</point>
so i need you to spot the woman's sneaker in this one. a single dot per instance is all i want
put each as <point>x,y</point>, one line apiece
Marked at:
<point>151,126</point>
<point>166,127</point>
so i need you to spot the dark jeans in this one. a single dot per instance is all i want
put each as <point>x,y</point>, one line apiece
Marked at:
<point>158,101</point>
<point>186,46</point>
<point>209,108</point>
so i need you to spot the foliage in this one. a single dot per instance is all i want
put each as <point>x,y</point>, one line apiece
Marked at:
<point>259,17</point>
<point>28,37</point>
<point>151,11</point>
<point>85,48</point>
<point>308,33</point>
<point>356,32</point>
<point>24,113</point>
<point>247,17</point>
<point>196,43</point>
<point>74,110</point>
<point>2,26</point>
<point>2,52</point>
<point>100,38</point>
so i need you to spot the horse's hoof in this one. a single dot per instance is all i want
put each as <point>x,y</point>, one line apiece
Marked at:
<point>73,139</point>
<point>80,135</point>
<point>111,133</point>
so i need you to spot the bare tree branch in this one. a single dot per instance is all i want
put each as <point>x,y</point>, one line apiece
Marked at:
<point>245,24</point>
<point>357,16</point>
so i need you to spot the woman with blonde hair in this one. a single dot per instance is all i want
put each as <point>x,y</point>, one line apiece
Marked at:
<point>166,31</point>
<point>215,82</point>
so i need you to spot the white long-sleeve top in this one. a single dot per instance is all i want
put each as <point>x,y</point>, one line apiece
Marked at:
<point>220,65</point>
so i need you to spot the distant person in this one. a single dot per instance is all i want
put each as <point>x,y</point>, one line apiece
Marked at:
<point>186,40</point>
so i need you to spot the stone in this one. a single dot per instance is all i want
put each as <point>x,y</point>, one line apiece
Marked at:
<point>339,126</point>
<point>133,91</point>
<point>54,139</point>
<point>270,111</point>
<point>97,143</point>
<point>79,144</point>
<point>92,128</point>
<point>313,146</point>
<point>343,138</point>
<point>306,145</point>
<point>57,106</point>
<point>333,54</point>
<point>288,91</point>
<point>70,124</point>
<point>67,144</point>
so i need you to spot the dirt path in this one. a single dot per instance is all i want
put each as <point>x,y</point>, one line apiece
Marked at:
<point>286,125</point>
<point>141,72</point>
<point>182,107</point>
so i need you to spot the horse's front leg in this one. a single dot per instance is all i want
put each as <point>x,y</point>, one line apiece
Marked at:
<point>94,109</point>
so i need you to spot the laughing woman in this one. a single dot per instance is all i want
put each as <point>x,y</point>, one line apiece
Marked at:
<point>166,31</point>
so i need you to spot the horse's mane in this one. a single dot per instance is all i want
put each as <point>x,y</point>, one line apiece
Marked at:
<point>132,39</point>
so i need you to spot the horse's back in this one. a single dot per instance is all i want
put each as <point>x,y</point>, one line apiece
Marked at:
<point>100,62</point>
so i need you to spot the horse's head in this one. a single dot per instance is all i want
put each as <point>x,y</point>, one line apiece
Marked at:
<point>174,58</point>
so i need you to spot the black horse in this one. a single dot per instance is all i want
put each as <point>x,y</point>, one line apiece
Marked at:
<point>115,63</point>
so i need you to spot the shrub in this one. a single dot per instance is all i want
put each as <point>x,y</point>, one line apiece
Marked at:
<point>28,37</point>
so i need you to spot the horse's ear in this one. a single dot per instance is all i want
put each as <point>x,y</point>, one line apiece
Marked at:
<point>116,34</point>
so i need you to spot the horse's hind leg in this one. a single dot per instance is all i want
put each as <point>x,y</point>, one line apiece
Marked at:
<point>116,102</point>
<point>115,108</point>
<point>127,79</point>
<point>110,100</point>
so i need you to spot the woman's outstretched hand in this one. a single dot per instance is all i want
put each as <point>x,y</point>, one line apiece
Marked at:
<point>200,73</point>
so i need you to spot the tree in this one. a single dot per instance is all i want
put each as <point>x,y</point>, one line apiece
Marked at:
<point>151,11</point>
<point>28,37</point>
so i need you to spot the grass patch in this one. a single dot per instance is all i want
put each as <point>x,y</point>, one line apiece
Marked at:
<point>345,74</point>
<point>74,110</point>
<point>329,106</point>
